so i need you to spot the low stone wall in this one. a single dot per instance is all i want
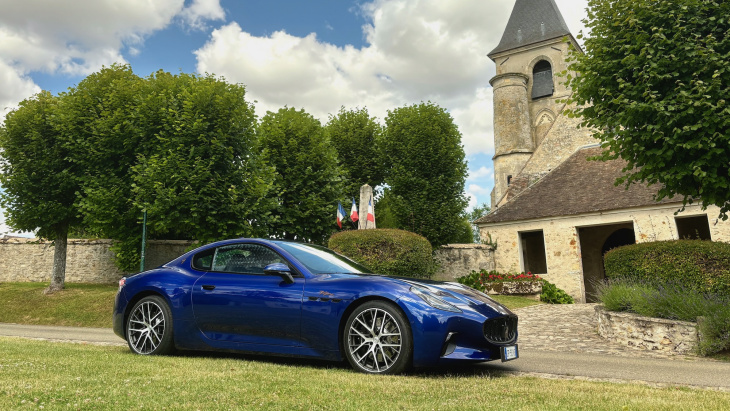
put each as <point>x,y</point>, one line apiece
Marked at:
<point>457,260</point>
<point>677,337</point>
<point>87,261</point>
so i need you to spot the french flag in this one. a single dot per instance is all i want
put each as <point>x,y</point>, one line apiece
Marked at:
<point>371,216</point>
<point>353,213</point>
<point>340,214</point>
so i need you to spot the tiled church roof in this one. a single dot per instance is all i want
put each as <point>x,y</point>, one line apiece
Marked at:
<point>576,186</point>
<point>532,21</point>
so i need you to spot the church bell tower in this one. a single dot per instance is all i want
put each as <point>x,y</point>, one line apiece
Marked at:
<point>526,92</point>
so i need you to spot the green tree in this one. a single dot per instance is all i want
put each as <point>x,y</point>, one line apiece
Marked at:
<point>307,182</point>
<point>475,214</point>
<point>653,84</point>
<point>204,179</point>
<point>39,181</point>
<point>426,172</point>
<point>99,119</point>
<point>355,136</point>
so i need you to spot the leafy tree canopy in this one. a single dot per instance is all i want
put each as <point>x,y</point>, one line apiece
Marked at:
<point>654,83</point>
<point>308,180</point>
<point>475,214</point>
<point>355,136</point>
<point>203,179</point>
<point>39,180</point>
<point>426,172</point>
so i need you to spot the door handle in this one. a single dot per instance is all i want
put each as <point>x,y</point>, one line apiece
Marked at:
<point>208,287</point>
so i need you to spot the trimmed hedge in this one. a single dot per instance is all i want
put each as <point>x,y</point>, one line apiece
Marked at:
<point>387,251</point>
<point>700,265</point>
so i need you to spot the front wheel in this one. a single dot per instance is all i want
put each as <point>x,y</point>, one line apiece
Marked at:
<point>149,327</point>
<point>377,339</point>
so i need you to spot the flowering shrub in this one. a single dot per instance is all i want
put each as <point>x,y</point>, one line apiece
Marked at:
<point>477,280</point>
<point>486,280</point>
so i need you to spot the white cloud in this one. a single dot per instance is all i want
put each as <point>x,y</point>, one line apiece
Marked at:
<point>477,189</point>
<point>13,87</point>
<point>480,173</point>
<point>79,37</point>
<point>200,11</point>
<point>416,50</point>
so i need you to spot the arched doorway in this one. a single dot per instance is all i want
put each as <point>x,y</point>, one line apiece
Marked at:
<point>622,236</point>
<point>594,242</point>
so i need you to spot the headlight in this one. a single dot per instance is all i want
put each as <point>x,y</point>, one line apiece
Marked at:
<point>432,300</point>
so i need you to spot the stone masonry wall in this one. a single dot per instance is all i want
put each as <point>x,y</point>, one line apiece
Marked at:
<point>656,334</point>
<point>562,244</point>
<point>460,259</point>
<point>87,261</point>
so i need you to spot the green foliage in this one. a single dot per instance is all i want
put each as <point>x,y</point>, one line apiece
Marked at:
<point>675,302</point>
<point>307,183</point>
<point>551,294</point>
<point>387,251</point>
<point>39,179</point>
<point>653,84</point>
<point>477,279</point>
<point>204,179</point>
<point>700,265</point>
<point>475,214</point>
<point>480,280</point>
<point>99,119</point>
<point>464,233</point>
<point>39,182</point>
<point>426,171</point>
<point>355,136</point>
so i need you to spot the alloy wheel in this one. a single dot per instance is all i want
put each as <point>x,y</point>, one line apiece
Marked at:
<point>146,327</point>
<point>374,340</point>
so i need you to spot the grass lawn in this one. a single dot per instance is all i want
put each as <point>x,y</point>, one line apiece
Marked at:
<point>513,302</point>
<point>79,305</point>
<point>72,376</point>
<point>90,305</point>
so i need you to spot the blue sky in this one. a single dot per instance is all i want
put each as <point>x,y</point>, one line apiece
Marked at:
<point>317,55</point>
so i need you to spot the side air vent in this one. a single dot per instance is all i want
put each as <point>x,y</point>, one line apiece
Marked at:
<point>501,330</point>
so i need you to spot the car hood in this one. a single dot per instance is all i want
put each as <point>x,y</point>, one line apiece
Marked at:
<point>458,294</point>
<point>454,293</point>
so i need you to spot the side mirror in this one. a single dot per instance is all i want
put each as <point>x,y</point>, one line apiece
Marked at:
<point>280,269</point>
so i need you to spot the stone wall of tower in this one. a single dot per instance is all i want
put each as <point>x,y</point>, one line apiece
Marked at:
<point>513,143</point>
<point>553,135</point>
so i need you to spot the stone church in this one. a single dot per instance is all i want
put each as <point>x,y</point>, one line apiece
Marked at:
<point>554,212</point>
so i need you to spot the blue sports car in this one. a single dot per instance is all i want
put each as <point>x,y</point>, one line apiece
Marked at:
<point>293,299</point>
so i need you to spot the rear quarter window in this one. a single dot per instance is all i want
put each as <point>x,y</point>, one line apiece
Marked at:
<point>203,260</point>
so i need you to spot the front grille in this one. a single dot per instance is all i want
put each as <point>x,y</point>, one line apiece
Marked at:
<point>501,330</point>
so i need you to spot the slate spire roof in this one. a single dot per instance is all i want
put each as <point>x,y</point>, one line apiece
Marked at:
<point>532,21</point>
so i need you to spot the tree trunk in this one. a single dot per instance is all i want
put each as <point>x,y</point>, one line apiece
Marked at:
<point>58,276</point>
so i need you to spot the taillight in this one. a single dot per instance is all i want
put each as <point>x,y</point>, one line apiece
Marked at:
<point>121,283</point>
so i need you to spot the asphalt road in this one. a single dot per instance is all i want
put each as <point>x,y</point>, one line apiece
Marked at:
<point>695,372</point>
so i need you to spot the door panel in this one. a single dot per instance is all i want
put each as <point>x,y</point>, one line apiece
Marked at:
<point>245,307</point>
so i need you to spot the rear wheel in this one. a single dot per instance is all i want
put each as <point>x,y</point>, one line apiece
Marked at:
<point>377,339</point>
<point>149,327</point>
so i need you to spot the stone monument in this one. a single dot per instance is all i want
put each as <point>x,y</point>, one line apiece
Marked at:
<point>367,206</point>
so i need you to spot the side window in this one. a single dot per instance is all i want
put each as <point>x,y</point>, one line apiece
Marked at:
<point>244,258</point>
<point>203,260</point>
<point>542,80</point>
<point>693,228</point>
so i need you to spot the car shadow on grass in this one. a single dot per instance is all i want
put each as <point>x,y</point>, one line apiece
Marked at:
<point>493,369</point>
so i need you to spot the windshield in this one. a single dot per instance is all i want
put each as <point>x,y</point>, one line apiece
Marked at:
<point>320,260</point>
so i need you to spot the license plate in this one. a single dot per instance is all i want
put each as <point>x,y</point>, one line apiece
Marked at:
<point>509,353</point>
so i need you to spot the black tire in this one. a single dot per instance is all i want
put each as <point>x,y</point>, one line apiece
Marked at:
<point>149,327</point>
<point>377,339</point>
